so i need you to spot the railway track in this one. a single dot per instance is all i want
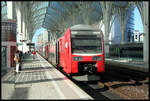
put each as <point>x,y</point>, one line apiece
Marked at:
<point>117,84</point>
<point>128,90</point>
<point>113,90</point>
<point>98,90</point>
<point>129,84</point>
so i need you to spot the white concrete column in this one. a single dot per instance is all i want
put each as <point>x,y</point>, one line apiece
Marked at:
<point>23,32</point>
<point>106,37</point>
<point>18,20</point>
<point>26,32</point>
<point>23,29</point>
<point>10,9</point>
<point>146,32</point>
<point>123,18</point>
<point>107,14</point>
<point>19,24</point>
<point>24,20</point>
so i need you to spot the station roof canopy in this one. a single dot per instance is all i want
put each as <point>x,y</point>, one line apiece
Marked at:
<point>38,12</point>
<point>57,16</point>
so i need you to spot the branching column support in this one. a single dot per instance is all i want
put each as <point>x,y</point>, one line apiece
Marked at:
<point>146,31</point>
<point>123,15</point>
<point>107,14</point>
<point>10,10</point>
<point>123,20</point>
<point>28,18</point>
<point>143,8</point>
<point>18,13</point>
<point>25,20</point>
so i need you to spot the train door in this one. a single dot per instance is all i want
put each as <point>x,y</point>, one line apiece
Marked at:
<point>44,52</point>
<point>57,52</point>
<point>49,56</point>
<point>66,56</point>
<point>67,52</point>
<point>47,51</point>
<point>60,53</point>
<point>46,55</point>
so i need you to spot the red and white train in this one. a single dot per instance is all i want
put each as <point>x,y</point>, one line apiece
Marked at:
<point>79,52</point>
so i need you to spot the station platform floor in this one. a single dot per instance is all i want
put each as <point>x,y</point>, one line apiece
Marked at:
<point>130,63</point>
<point>38,79</point>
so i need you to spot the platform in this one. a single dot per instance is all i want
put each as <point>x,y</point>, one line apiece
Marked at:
<point>134,64</point>
<point>38,79</point>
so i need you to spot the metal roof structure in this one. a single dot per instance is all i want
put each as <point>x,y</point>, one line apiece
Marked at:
<point>58,16</point>
<point>61,15</point>
<point>38,12</point>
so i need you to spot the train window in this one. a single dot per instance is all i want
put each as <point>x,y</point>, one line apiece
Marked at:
<point>86,43</point>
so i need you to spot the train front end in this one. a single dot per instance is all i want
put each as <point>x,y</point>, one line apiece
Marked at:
<point>87,47</point>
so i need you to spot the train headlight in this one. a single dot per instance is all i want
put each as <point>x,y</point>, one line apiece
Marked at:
<point>96,58</point>
<point>77,58</point>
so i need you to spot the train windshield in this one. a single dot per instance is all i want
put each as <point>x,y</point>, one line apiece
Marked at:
<point>86,42</point>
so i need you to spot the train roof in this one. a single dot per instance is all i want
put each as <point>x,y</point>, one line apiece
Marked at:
<point>83,27</point>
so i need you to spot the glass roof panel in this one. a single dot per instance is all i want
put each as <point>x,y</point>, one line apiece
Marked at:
<point>40,17</point>
<point>51,11</point>
<point>120,3</point>
<point>47,21</point>
<point>49,17</point>
<point>39,12</point>
<point>39,5</point>
<point>39,23</point>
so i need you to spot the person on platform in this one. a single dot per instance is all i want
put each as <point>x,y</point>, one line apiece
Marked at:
<point>21,58</point>
<point>17,60</point>
<point>34,53</point>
